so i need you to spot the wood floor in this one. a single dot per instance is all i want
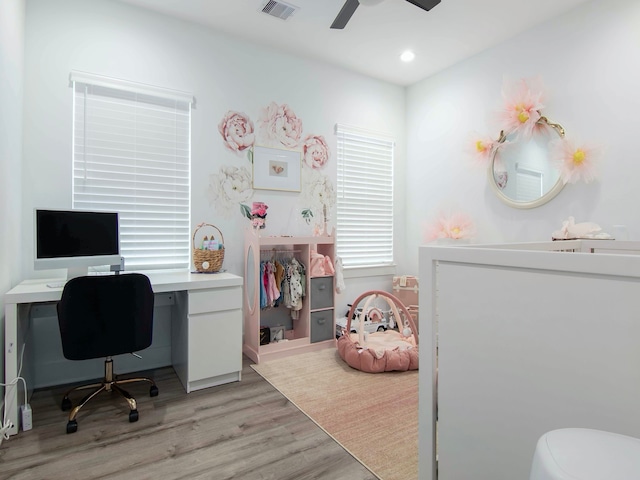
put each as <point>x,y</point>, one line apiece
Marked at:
<point>244,430</point>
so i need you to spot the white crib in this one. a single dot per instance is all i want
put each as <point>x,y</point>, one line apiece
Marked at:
<point>520,339</point>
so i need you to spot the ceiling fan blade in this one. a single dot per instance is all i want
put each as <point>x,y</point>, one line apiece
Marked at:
<point>425,4</point>
<point>345,14</point>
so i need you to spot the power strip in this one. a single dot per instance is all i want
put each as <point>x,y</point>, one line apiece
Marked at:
<point>27,420</point>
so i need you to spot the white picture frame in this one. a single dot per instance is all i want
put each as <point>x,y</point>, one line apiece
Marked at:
<point>276,169</point>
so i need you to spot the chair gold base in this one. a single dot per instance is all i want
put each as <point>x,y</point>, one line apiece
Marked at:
<point>110,383</point>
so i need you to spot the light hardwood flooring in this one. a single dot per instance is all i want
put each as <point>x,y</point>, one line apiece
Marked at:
<point>243,430</point>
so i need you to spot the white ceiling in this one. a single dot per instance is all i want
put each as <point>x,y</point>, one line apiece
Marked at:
<point>376,35</point>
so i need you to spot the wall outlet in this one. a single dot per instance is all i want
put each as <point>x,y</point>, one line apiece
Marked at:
<point>25,414</point>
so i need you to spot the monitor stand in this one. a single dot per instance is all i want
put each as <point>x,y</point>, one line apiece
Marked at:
<point>73,272</point>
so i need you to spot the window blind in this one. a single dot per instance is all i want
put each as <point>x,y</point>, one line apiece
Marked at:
<point>131,154</point>
<point>365,197</point>
<point>528,184</point>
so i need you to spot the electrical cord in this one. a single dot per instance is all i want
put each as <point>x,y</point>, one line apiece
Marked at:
<point>7,424</point>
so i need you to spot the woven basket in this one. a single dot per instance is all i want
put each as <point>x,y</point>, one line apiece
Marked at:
<point>207,261</point>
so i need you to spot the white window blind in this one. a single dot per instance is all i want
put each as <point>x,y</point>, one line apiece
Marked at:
<point>528,184</point>
<point>365,197</point>
<point>131,154</point>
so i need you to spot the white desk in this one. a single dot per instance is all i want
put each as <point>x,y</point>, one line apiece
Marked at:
<point>206,329</point>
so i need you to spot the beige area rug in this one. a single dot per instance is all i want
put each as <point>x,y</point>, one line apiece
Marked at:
<point>373,416</point>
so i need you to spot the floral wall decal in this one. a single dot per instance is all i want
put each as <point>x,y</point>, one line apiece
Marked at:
<point>575,161</point>
<point>454,225</point>
<point>280,125</point>
<point>237,131</point>
<point>318,197</point>
<point>522,105</point>
<point>230,187</point>
<point>315,151</point>
<point>481,148</point>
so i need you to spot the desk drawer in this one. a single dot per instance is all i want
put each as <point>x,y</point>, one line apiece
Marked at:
<point>215,300</point>
<point>215,344</point>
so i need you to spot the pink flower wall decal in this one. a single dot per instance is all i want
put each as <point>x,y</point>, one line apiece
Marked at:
<point>279,124</point>
<point>315,151</point>
<point>480,148</point>
<point>574,160</point>
<point>522,105</point>
<point>237,131</point>
<point>457,225</point>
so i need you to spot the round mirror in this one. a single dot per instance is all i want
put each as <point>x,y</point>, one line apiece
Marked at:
<point>521,173</point>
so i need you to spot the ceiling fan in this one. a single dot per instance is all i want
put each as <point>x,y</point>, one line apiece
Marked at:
<point>350,6</point>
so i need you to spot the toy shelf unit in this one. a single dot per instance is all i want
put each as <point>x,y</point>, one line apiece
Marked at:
<point>310,328</point>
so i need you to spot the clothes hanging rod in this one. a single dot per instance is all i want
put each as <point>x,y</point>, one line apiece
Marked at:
<point>279,251</point>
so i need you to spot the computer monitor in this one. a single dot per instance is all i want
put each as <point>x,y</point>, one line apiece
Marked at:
<point>75,240</point>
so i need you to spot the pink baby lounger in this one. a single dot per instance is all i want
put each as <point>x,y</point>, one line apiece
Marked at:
<point>384,351</point>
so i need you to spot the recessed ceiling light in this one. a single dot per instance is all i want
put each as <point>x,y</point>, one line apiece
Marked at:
<point>407,56</point>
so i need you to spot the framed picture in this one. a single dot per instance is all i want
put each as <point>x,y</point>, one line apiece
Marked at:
<point>276,169</point>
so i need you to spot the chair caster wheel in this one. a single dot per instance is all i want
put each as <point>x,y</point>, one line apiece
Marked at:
<point>133,416</point>
<point>72,426</point>
<point>153,391</point>
<point>66,404</point>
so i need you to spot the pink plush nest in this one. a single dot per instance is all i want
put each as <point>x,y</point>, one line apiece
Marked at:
<point>381,351</point>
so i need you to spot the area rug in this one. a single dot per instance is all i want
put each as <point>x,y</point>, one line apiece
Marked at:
<point>374,416</point>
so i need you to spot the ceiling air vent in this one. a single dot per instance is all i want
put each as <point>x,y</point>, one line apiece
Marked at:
<point>279,9</point>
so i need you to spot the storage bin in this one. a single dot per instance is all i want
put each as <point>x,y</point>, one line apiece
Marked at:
<point>321,292</point>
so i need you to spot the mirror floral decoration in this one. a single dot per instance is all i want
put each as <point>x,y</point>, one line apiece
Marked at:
<point>522,106</point>
<point>521,115</point>
<point>576,161</point>
<point>480,148</point>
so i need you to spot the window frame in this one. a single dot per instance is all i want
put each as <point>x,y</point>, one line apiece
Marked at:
<point>153,165</point>
<point>352,143</point>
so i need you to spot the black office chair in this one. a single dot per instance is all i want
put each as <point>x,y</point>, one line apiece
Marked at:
<point>103,316</point>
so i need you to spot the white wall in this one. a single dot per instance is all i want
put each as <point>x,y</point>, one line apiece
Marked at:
<point>11,65</point>
<point>223,73</point>
<point>587,59</point>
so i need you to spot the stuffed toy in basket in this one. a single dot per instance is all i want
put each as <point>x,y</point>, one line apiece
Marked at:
<point>383,351</point>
